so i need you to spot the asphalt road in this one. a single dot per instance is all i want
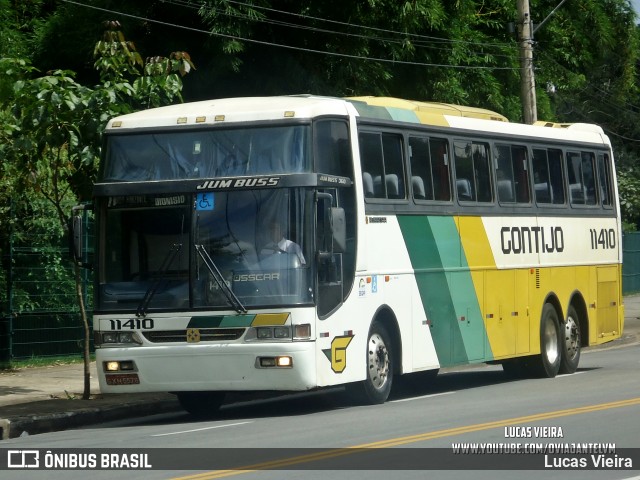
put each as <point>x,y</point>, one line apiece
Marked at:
<point>600,404</point>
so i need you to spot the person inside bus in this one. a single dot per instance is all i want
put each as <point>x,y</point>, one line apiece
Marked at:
<point>278,244</point>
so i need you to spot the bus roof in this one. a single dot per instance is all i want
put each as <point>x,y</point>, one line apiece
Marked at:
<point>246,109</point>
<point>431,113</point>
<point>227,110</point>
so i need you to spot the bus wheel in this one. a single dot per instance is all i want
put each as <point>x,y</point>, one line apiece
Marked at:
<point>547,364</point>
<point>376,387</point>
<point>201,404</point>
<point>570,343</point>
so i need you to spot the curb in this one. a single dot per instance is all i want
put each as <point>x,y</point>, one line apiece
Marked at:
<point>52,422</point>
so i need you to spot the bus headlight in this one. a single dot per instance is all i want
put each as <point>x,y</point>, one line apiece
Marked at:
<point>263,333</point>
<point>280,332</point>
<point>116,338</point>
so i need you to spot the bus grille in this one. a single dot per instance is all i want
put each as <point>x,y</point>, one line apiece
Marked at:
<point>206,335</point>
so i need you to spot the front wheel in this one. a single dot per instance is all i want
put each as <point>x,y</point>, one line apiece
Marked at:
<point>376,387</point>
<point>570,343</point>
<point>547,364</point>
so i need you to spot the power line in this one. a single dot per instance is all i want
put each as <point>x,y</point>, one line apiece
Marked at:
<point>354,25</point>
<point>418,42</point>
<point>290,47</point>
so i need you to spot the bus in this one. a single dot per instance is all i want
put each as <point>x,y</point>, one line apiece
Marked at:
<point>297,242</point>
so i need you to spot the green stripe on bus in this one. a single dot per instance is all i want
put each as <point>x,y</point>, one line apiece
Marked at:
<point>402,115</point>
<point>446,288</point>
<point>221,321</point>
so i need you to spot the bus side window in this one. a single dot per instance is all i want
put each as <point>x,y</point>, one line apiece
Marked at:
<point>547,176</point>
<point>542,186</point>
<point>441,175</point>
<point>372,167</point>
<point>429,168</point>
<point>473,175</point>
<point>504,174</point>
<point>580,171</point>
<point>393,165</point>
<point>512,174</point>
<point>604,173</point>
<point>381,158</point>
<point>421,181</point>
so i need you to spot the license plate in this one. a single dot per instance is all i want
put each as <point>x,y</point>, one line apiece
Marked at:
<point>123,379</point>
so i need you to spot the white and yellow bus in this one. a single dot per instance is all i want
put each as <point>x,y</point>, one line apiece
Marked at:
<point>293,243</point>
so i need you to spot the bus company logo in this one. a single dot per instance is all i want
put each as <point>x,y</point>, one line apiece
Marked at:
<point>193,335</point>
<point>515,240</point>
<point>23,459</point>
<point>239,183</point>
<point>337,354</point>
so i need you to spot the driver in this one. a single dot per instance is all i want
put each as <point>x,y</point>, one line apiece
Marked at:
<point>280,244</point>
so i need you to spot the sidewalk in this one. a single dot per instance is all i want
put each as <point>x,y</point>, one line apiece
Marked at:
<point>47,399</point>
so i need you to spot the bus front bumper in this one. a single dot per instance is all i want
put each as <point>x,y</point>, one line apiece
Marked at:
<point>228,367</point>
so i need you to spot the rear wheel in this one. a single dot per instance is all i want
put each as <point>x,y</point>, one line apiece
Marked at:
<point>547,364</point>
<point>201,404</point>
<point>379,356</point>
<point>570,343</point>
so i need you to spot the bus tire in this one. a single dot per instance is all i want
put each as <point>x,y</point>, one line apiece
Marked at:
<point>547,364</point>
<point>570,342</point>
<point>201,404</point>
<point>376,387</point>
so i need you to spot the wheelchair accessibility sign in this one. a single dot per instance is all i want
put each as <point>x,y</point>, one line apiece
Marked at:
<point>204,201</point>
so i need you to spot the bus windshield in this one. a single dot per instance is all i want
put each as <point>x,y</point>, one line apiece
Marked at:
<point>191,251</point>
<point>206,153</point>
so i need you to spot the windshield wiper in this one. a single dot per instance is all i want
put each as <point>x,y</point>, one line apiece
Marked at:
<point>215,273</point>
<point>153,288</point>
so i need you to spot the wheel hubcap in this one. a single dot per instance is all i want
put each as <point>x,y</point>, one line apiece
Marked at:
<point>571,337</point>
<point>378,361</point>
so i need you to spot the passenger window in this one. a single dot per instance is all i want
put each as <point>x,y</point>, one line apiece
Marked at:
<point>473,175</point>
<point>581,174</point>
<point>604,173</point>
<point>547,176</point>
<point>512,174</point>
<point>429,168</point>
<point>382,165</point>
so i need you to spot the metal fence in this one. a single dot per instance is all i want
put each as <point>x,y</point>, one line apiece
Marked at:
<point>631,263</point>
<point>40,316</point>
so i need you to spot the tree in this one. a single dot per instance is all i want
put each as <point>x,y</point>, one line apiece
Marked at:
<point>51,138</point>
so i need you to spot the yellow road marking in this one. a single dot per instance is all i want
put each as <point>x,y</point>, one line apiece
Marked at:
<point>394,442</point>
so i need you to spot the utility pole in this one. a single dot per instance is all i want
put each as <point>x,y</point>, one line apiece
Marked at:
<point>527,80</point>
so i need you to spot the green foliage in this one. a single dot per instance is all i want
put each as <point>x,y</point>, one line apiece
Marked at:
<point>116,58</point>
<point>629,191</point>
<point>50,140</point>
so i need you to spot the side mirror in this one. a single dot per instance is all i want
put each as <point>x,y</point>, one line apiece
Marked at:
<point>77,238</point>
<point>77,234</point>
